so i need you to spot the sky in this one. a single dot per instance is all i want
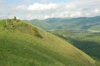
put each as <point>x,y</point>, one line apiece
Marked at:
<point>43,9</point>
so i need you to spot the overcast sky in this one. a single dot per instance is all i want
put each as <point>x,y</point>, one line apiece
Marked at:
<point>42,9</point>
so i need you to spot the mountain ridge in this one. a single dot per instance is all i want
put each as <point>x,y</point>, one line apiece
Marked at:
<point>80,23</point>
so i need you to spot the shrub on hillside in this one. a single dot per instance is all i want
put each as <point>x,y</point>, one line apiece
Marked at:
<point>36,33</point>
<point>17,20</point>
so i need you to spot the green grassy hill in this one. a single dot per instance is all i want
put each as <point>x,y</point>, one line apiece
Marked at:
<point>22,44</point>
<point>38,23</point>
<point>84,40</point>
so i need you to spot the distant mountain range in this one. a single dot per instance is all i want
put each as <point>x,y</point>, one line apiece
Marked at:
<point>81,23</point>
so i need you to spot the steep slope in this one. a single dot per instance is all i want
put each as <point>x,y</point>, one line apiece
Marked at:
<point>22,44</point>
<point>86,41</point>
<point>38,23</point>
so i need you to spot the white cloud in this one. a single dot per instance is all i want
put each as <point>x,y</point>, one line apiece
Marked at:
<point>73,8</point>
<point>2,1</point>
<point>21,7</point>
<point>37,6</point>
<point>97,11</point>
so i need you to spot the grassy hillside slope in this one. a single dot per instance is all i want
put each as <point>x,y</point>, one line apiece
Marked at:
<point>86,41</point>
<point>22,44</point>
<point>39,23</point>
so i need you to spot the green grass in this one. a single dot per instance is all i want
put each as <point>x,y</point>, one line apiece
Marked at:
<point>93,30</point>
<point>38,23</point>
<point>86,41</point>
<point>20,46</point>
